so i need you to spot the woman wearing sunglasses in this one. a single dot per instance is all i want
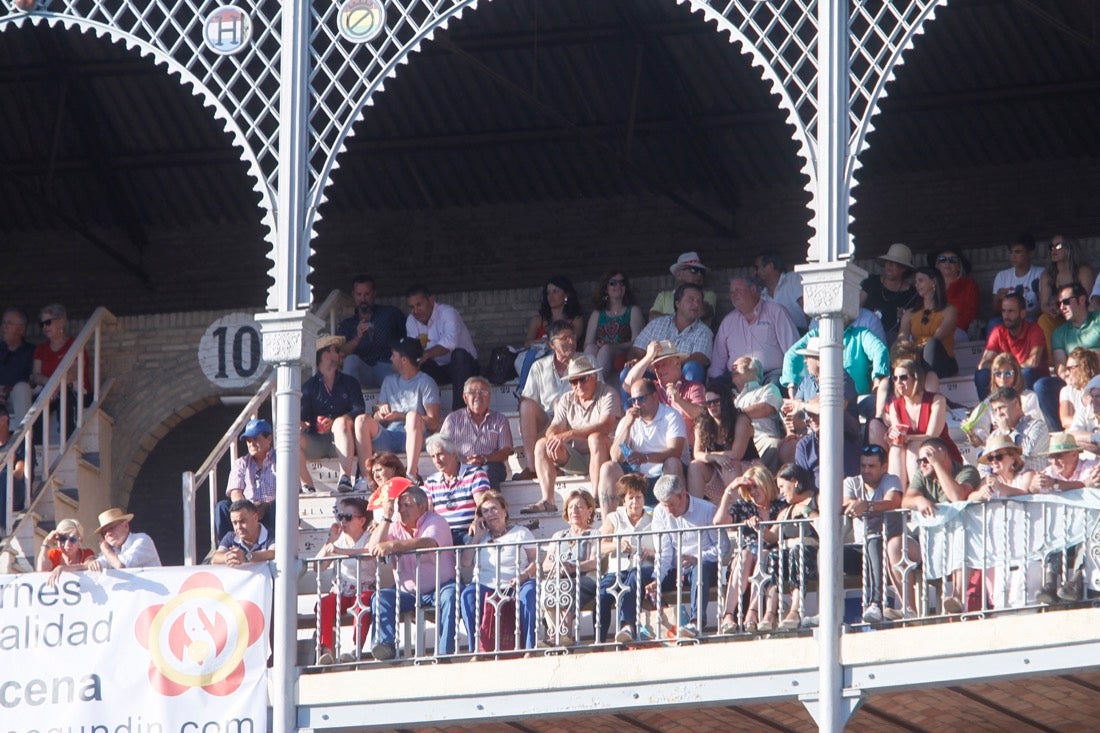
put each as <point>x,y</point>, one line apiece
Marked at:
<point>1009,476</point>
<point>1004,372</point>
<point>962,290</point>
<point>63,549</point>
<point>931,325</point>
<point>915,415</point>
<point>1081,365</point>
<point>1066,267</point>
<point>724,446</point>
<point>616,319</point>
<point>354,582</point>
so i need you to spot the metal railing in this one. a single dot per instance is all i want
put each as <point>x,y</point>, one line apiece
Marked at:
<point>38,424</point>
<point>995,557</point>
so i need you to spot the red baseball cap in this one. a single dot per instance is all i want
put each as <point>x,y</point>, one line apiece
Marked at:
<point>395,487</point>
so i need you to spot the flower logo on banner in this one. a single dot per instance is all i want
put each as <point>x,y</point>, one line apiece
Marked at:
<point>199,638</point>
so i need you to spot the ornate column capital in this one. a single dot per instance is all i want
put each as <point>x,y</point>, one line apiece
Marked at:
<point>289,337</point>
<point>831,288</point>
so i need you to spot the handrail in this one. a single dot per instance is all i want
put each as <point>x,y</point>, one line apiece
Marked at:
<point>56,386</point>
<point>207,472</point>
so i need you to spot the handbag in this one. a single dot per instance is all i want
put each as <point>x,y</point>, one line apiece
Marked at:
<point>501,367</point>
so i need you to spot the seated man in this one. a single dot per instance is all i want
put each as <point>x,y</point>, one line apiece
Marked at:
<point>407,409</point>
<point>651,440</point>
<point>1030,433</point>
<point>16,362</point>
<point>1067,470</point>
<point>939,479</point>
<point>252,477</point>
<point>689,269</point>
<point>455,489</point>
<point>1081,329</point>
<point>1086,424</point>
<point>578,440</point>
<point>682,395</point>
<point>332,411</point>
<point>684,328</point>
<point>762,402</point>
<point>427,579</point>
<point>807,389</point>
<point>1017,336</point>
<point>755,327</point>
<point>865,357</point>
<point>545,384</point>
<point>807,452</point>
<point>483,436</point>
<point>120,548</point>
<point>690,558</point>
<point>248,542</point>
<point>866,496</point>
<point>1022,278</point>
<point>449,353</point>
<point>369,335</point>
<point>18,469</point>
<point>781,285</point>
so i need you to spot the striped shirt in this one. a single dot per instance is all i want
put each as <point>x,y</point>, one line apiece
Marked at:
<point>454,499</point>
<point>256,481</point>
<point>472,439</point>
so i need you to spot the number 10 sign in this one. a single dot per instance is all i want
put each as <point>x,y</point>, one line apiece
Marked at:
<point>229,352</point>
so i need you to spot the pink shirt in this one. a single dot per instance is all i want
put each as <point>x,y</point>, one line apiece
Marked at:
<point>767,338</point>
<point>694,393</point>
<point>423,562</point>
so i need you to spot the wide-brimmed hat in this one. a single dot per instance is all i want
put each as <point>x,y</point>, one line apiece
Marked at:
<point>997,442</point>
<point>256,427</point>
<point>112,515</point>
<point>395,487</point>
<point>326,340</point>
<point>812,347</point>
<point>579,366</point>
<point>1062,443</point>
<point>899,253</point>
<point>687,259</point>
<point>667,350</point>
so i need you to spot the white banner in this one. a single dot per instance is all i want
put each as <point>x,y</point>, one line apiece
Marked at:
<point>165,650</point>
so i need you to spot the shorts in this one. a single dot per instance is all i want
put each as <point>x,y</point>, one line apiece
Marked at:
<point>320,445</point>
<point>391,437</point>
<point>576,463</point>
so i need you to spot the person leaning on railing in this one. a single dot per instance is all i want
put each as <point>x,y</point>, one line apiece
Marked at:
<point>503,568</point>
<point>866,497</point>
<point>354,581</point>
<point>571,558</point>
<point>63,550</point>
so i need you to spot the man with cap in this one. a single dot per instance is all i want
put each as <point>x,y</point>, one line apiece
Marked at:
<point>756,327</point>
<point>332,411</point>
<point>369,334</point>
<point>407,410</point>
<point>578,440</point>
<point>666,363</point>
<point>891,293</point>
<point>249,541</point>
<point>406,523</point>
<point>684,328</point>
<point>120,548</point>
<point>1067,470</point>
<point>482,436</point>
<point>546,383</point>
<point>449,353</point>
<point>18,468</point>
<point>688,268</point>
<point>252,477</point>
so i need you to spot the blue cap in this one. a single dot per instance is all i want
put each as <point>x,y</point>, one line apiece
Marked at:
<point>256,427</point>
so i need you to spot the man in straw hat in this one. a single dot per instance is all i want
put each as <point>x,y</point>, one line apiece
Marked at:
<point>890,293</point>
<point>665,361</point>
<point>688,268</point>
<point>578,439</point>
<point>120,548</point>
<point>332,410</point>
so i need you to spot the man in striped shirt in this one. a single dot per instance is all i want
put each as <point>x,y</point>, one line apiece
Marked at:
<point>455,488</point>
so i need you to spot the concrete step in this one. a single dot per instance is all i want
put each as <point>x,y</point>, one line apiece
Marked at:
<point>960,389</point>
<point>968,354</point>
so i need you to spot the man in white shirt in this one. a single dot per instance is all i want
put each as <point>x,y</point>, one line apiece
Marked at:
<point>449,352</point>
<point>689,559</point>
<point>866,497</point>
<point>120,548</point>
<point>1022,277</point>
<point>782,286</point>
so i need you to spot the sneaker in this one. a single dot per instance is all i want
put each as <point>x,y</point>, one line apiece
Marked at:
<point>324,659</point>
<point>383,652</point>
<point>625,635</point>
<point>873,614</point>
<point>344,485</point>
<point>362,486</point>
<point>688,631</point>
<point>307,489</point>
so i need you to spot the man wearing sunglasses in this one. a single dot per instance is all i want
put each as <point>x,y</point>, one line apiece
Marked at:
<point>1017,336</point>
<point>1081,328</point>
<point>688,268</point>
<point>248,542</point>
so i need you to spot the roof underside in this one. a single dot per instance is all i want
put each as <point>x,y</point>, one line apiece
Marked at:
<point>531,101</point>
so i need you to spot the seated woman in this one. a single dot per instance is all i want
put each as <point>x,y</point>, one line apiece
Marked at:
<point>570,560</point>
<point>354,582</point>
<point>1081,365</point>
<point>615,321</point>
<point>962,290</point>
<point>931,325</point>
<point>915,415</point>
<point>1005,371</point>
<point>1009,476</point>
<point>762,403</point>
<point>749,500</point>
<point>48,356</point>
<point>503,586</point>
<point>885,392</point>
<point>1067,266</point>
<point>381,467</point>
<point>724,446</point>
<point>792,553</point>
<point>559,303</point>
<point>63,550</point>
<point>629,559</point>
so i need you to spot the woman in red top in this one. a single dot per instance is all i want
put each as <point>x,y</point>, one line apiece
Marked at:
<point>915,416</point>
<point>63,549</point>
<point>962,290</point>
<point>48,356</point>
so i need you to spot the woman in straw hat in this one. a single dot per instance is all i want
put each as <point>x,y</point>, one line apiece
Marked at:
<point>890,293</point>
<point>1009,476</point>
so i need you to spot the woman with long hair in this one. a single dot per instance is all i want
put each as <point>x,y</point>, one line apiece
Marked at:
<point>615,321</point>
<point>559,303</point>
<point>915,415</point>
<point>962,290</point>
<point>1081,365</point>
<point>931,325</point>
<point>1004,372</point>
<point>723,446</point>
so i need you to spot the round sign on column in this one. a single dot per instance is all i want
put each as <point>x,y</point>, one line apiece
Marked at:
<point>229,352</point>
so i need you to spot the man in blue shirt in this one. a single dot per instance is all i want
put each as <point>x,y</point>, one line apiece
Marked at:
<point>369,335</point>
<point>332,413</point>
<point>16,360</point>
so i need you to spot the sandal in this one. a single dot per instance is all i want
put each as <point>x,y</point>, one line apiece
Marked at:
<point>539,507</point>
<point>526,474</point>
<point>790,623</point>
<point>768,623</point>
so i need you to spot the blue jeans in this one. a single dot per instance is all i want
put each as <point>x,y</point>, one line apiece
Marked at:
<point>1047,390</point>
<point>701,577</point>
<point>473,598</point>
<point>983,378</point>
<point>385,601</point>
<point>631,580</point>
<point>369,375</point>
